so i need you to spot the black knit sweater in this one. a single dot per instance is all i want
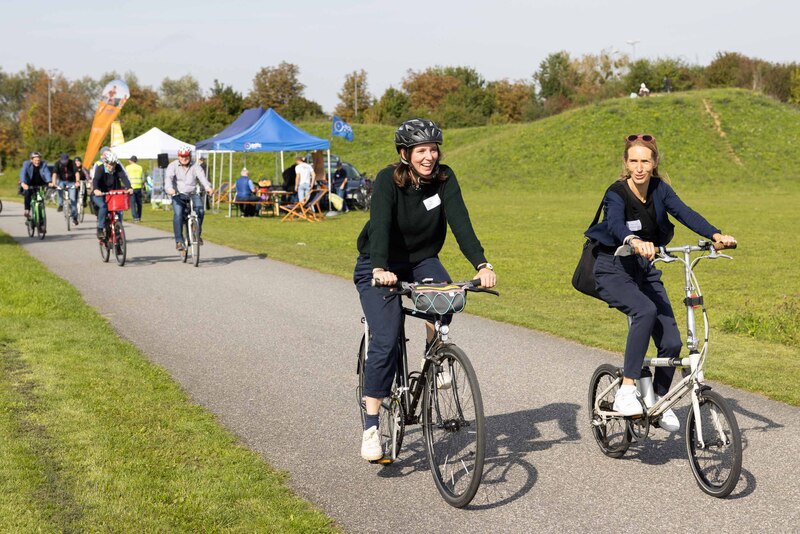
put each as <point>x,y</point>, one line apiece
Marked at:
<point>402,228</point>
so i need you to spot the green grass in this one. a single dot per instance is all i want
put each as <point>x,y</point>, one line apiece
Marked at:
<point>95,438</point>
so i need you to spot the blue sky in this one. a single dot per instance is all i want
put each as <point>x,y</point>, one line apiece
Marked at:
<point>232,40</point>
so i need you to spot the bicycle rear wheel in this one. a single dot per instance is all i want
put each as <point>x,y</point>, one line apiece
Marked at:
<point>391,416</point>
<point>453,426</point>
<point>194,237</point>
<point>186,244</point>
<point>612,435</point>
<point>717,462</point>
<point>120,244</point>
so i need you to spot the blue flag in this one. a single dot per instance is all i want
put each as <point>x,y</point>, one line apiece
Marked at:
<point>341,128</point>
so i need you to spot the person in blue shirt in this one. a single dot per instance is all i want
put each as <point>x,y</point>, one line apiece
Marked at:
<point>636,209</point>
<point>246,192</point>
<point>34,173</point>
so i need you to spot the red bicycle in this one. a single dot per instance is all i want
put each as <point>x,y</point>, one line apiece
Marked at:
<point>114,238</point>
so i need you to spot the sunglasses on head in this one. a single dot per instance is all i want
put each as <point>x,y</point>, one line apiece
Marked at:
<point>647,138</point>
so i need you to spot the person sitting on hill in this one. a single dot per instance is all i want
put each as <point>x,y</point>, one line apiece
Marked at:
<point>246,192</point>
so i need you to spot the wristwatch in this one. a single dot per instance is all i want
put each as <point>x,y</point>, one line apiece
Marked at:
<point>486,265</point>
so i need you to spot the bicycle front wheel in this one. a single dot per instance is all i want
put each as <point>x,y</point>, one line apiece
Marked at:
<point>105,247</point>
<point>613,434</point>
<point>120,244</point>
<point>30,225</point>
<point>42,221</point>
<point>717,461</point>
<point>67,215</point>
<point>194,237</point>
<point>81,205</point>
<point>453,426</point>
<point>186,243</point>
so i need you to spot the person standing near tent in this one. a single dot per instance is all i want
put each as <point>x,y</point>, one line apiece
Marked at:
<point>135,174</point>
<point>340,184</point>
<point>305,178</point>
<point>180,182</point>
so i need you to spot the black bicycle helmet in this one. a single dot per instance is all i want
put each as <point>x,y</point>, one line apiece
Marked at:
<point>416,132</point>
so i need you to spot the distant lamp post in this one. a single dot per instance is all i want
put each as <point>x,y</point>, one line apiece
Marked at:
<point>50,91</point>
<point>633,43</point>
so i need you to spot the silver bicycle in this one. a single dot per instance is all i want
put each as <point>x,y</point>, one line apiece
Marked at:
<point>713,440</point>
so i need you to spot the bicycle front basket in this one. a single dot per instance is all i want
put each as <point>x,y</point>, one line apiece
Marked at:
<point>118,202</point>
<point>439,299</point>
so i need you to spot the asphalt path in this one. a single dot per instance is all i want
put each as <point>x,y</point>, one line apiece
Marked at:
<point>270,348</point>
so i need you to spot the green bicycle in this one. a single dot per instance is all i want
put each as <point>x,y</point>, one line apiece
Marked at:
<point>37,222</point>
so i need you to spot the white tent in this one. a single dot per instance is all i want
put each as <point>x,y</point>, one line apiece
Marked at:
<point>149,145</point>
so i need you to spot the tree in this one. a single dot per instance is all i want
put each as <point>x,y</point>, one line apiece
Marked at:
<point>232,101</point>
<point>556,76</point>
<point>275,87</point>
<point>511,99</point>
<point>300,108</point>
<point>354,98</point>
<point>392,108</point>
<point>177,94</point>
<point>426,90</point>
<point>730,69</point>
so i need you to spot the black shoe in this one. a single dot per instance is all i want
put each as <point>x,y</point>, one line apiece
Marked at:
<point>101,234</point>
<point>200,241</point>
<point>179,247</point>
<point>60,209</point>
<point>74,221</point>
<point>27,214</point>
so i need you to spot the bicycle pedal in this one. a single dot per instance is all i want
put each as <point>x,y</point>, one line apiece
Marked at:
<point>382,461</point>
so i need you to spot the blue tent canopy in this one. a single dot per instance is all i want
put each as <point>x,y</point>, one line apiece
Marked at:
<point>271,133</point>
<point>242,123</point>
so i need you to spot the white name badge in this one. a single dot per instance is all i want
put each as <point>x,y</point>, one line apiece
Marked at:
<point>634,225</point>
<point>432,202</point>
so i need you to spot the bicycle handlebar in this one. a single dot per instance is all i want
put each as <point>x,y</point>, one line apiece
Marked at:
<point>405,288</point>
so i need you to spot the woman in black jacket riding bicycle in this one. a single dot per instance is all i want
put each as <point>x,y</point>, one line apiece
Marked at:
<point>413,202</point>
<point>636,208</point>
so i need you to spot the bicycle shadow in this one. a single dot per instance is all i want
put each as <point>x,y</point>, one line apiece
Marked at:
<point>138,261</point>
<point>507,474</point>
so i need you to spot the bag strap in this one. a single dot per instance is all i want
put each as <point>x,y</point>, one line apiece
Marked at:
<point>597,215</point>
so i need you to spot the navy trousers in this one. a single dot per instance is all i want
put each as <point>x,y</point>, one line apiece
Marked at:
<point>633,286</point>
<point>384,317</point>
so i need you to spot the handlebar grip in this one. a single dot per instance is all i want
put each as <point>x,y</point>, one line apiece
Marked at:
<point>720,246</point>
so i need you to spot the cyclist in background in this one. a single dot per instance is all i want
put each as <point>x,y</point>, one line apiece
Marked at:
<point>107,177</point>
<point>135,173</point>
<point>66,176</point>
<point>413,202</point>
<point>34,173</point>
<point>84,176</point>
<point>180,181</point>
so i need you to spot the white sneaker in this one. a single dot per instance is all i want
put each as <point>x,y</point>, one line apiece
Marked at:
<point>371,444</point>
<point>669,421</point>
<point>626,401</point>
<point>443,378</point>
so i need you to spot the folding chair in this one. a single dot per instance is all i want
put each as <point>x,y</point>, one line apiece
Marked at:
<point>300,209</point>
<point>313,205</point>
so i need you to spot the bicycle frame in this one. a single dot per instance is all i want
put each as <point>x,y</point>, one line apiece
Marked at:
<point>692,365</point>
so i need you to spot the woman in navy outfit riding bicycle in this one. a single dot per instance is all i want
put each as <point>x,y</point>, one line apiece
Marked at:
<point>413,202</point>
<point>636,208</point>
